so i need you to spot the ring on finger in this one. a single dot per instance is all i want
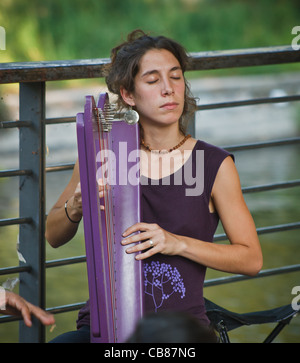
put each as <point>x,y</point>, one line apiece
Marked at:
<point>151,243</point>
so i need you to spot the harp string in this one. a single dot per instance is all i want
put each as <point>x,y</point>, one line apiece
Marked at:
<point>105,143</point>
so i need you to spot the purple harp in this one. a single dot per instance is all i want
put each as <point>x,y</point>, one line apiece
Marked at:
<point>108,148</point>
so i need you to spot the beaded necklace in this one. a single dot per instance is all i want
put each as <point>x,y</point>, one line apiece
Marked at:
<point>147,147</point>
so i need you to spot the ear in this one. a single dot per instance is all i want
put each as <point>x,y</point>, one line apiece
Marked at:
<point>127,97</point>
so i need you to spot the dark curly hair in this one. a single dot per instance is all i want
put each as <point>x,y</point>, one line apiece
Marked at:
<point>124,66</point>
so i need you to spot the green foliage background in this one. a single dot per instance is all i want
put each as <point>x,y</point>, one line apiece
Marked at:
<point>54,29</point>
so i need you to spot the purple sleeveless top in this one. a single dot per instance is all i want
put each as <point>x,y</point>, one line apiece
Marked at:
<point>180,205</point>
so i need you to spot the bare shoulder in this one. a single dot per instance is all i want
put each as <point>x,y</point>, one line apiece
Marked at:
<point>190,144</point>
<point>227,179</point>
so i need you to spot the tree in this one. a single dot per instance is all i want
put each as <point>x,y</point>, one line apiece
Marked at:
<point>161,282</point>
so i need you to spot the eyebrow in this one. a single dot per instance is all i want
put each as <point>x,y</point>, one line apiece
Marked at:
<point>154,71</point>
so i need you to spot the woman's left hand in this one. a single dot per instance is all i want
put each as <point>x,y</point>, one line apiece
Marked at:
<point>153,239</point>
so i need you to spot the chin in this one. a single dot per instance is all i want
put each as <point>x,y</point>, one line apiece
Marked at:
<point>167,119</point>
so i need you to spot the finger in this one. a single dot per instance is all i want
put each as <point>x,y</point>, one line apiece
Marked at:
<point>43,316</point>
<point>149,243</point>
<point>21,307</point>
<point>143,236</point>
<point>138,227</point>
<point>101,188</point>
<point>78,189</point>
<point>26,316</point>
<point>103,185</point>
<point>101,195</point>
<point>148,253</point>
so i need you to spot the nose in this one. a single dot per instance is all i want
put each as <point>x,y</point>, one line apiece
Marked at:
<point>167,88</point>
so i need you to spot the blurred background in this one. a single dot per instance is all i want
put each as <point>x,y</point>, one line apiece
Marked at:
<point>65,30</point>
<point>51,29</point>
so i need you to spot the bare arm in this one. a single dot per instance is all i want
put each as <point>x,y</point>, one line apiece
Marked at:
<point>243,254</point>
<point>59,229</point>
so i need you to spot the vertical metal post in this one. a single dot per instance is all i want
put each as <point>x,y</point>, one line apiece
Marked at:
<point>191,129</point>
<point>32,203</point>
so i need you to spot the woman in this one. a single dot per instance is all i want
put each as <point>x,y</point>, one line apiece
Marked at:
<point>183,195</point>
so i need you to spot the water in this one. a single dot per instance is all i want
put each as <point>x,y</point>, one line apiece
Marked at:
<point>220,127</point>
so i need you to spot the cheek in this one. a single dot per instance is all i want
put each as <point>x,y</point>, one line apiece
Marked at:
<point>181,89</point>
<point>146,100</point>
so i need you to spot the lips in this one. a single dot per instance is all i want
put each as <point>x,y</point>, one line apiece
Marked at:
<point>169,105</point>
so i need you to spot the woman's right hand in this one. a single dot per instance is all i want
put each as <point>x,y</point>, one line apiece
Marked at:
<point>75,202</point>
<point>59,230</point>
<point>74,205</point>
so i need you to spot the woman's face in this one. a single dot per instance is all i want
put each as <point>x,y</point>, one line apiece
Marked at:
<point>159,89</point>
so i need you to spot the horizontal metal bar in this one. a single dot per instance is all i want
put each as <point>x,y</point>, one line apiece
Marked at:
<point>279,228</point>
<point>268,187</point>
<point>60,120</point>
<point>54,310</point>
<point>62,167</point>
<point>94,68</point>
<point>243,58</point>
<point>258,145</point>
<point>207,283</point>
<point>48,121</point>
<point>14,270</point>
<point>252,189</point>
<point>65,261</point>
<point>12,221</point>
<point>255,101</point>
<point>65,308</point>
<point>264,230</point>
<point>14,172</point>
<point>9,318</point>
<point>210,106</point>
<point>251,102</point>
<point>263,273</point>
<point>52,70</point>
<point>11,124</point>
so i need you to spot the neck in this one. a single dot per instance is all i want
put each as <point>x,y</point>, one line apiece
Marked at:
<point>162,138</point>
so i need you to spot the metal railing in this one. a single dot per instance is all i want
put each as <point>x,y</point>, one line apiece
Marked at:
<point>32,78</point>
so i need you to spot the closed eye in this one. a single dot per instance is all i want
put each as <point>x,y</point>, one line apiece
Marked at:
<point>152,82</point>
